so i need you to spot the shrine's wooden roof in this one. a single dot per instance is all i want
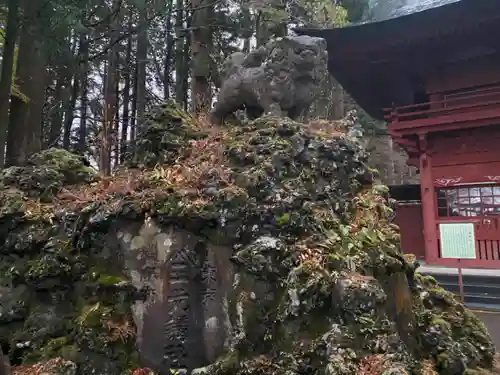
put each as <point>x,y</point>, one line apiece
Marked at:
<point>389,9</point>
<point>358,53</point>
<point>405,25</point>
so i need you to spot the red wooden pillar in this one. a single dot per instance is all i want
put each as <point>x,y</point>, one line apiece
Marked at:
<point>428,206</point>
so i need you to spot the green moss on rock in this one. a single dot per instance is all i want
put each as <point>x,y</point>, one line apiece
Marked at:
<point>46,273</point>
<point>165,136</point>
<point>74,168</point>
<point>46,173</point>
<point>322,285</point>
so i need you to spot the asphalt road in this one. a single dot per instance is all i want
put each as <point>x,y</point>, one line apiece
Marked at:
<point>492,321</point>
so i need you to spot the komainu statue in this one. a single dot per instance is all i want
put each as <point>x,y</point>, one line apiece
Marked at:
<point>279,78</point>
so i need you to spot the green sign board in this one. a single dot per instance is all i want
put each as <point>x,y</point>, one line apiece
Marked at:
<point>458,241</point>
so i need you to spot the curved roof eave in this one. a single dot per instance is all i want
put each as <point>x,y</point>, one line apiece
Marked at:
<point>388,9</point>
<point>404,17</point>
<point>357,42</point>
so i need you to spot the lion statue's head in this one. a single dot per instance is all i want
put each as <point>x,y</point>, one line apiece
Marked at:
<point>303,57</point>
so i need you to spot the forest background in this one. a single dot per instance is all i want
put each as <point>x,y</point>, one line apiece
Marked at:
<point>81,74</point>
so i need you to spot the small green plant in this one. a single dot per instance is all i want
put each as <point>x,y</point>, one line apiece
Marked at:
<point>283,219</point>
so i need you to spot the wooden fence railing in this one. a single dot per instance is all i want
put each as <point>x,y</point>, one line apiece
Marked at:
<point>453,103</point>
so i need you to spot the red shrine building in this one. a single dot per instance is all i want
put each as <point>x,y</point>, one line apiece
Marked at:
<point>434,76</point>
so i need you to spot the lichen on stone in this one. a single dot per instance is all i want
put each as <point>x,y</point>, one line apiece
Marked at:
<point>320,283</point>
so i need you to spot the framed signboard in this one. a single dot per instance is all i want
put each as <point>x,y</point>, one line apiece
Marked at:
<point>458,241</point>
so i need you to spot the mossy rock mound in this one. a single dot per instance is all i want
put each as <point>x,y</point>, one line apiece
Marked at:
<point>164,135</point>
<point>321,286</point>
<point>75,169</point>
<point>50,292</point>
<point>47,172</point>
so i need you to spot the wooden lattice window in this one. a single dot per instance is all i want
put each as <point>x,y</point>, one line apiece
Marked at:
<point>469,201</point>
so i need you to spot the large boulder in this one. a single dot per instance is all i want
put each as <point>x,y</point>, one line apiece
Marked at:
<point>262,248</point>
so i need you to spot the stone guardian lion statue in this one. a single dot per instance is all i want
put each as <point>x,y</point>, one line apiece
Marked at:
<point>280,78</point>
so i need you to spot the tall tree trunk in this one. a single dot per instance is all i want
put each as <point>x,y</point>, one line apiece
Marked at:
<point>82,129</point>
<point>75,90</point>
<point>33,129</point>
<point>167,63</point>
<point>6,75</point>
<point>246,19</point>
<point>19,110</point>
<point>126,93</point>
<point>201,46</point>
<point>116,123</point>
<point>110,98</point>
<point>142,56</point>
<point>56,114</point>
<point>261,31</point>
<point>70,76</point>
<point>186,71</point>
<point>133,112</point>
<point>179,52</point>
